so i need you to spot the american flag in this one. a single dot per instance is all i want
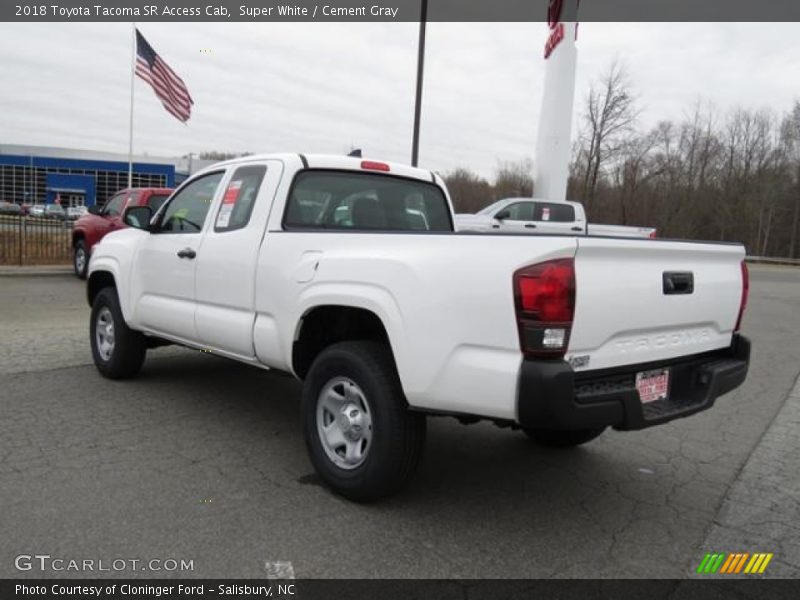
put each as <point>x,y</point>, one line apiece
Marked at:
<point>169,88</point>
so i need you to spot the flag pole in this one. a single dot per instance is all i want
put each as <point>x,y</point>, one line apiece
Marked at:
<point>130,130</point>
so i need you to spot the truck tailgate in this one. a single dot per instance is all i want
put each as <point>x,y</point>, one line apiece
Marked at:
<point>650,300</point>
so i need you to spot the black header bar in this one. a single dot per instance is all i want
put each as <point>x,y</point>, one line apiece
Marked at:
<point>422,589</point>
<point>396,10</point>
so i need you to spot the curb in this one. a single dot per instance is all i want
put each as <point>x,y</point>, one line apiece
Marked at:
<point>43,271</point>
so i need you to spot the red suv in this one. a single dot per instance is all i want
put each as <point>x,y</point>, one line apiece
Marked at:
<point>92,227</point>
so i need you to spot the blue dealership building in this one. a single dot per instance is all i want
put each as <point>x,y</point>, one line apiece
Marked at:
<point>39,175</point>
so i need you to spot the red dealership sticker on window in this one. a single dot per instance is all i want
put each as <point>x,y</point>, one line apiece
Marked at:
<point>228,202</point>
<point>232,193</point>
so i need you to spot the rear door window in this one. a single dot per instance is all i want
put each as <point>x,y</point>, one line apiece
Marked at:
<point>239,198</point>
<point>356,201</point>
<point>555,213</point>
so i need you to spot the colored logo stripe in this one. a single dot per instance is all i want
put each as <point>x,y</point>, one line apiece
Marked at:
<point>726,566</point>
<point>702,566</point>
<point>734,563</point>
<point>711,562</point>
<point>758,563</point>
<point>738,562</point>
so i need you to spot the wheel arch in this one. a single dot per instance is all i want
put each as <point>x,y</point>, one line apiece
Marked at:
<point>97,281</point>
<point>327,324</point>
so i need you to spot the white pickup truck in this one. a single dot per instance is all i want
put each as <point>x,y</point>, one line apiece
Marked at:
<point>347,273</point>
<point>528,215</point>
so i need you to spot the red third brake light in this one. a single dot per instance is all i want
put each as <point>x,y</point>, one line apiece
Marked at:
<point>372,165</point>
<point>745,294</point>
<point>545,302</point>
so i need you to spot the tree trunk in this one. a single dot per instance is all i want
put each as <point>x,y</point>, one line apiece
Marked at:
<point>765,243</point>
<point>795,219</point>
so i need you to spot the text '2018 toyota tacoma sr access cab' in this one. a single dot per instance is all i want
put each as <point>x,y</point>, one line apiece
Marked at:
<point>347,273</point>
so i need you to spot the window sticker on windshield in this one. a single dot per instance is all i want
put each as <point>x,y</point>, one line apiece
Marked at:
<point>228,202</point>
<point>545,214</point>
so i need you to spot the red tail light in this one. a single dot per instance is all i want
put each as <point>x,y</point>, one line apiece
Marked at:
<point>653,234</point>
<point>544,296</point>
<point>372,165</point>
<point>745,294</point>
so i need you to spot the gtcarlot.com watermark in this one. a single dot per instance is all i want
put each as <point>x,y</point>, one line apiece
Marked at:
<point>47,563</point>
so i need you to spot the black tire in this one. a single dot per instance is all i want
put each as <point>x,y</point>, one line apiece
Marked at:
<point>555,438</point>
<point>397,434</point>
<point>80,266</point>
<point>129,347</point>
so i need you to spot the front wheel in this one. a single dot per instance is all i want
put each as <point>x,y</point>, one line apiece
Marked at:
<point>118,350</point>
<point>555,438</point>
<point>80,259</point>
<point>362,439</point>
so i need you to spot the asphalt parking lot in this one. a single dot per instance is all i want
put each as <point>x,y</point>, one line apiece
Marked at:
<point>202,459</point>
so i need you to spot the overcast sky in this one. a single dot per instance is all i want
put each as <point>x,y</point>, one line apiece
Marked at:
<point>323,87</point>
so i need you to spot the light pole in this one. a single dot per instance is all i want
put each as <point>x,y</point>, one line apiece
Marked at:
<point>420,71</point>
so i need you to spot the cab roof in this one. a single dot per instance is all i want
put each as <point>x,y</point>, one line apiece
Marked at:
<point>334,161</point>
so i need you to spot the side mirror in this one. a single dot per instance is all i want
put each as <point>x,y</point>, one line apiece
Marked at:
<point>503,215</point>
<point>94,210</point>
<point>138,217</point>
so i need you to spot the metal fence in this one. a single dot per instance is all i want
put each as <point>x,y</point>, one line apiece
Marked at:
<point>40,241</point>
<point>34,241</point>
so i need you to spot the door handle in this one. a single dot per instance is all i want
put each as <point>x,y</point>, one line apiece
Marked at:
<point>186,253</point>
<point>577,229</point>
<point>495,226</point>
<point>530,226</point>
<point>677,282</point>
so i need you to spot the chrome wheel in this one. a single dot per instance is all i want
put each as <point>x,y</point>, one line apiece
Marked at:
<point>80,260</point>
<point>104,333</point>
<point>344,423</point>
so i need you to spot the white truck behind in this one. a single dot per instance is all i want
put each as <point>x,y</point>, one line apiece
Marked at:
<point>534,216</point>
<point>348,274</point>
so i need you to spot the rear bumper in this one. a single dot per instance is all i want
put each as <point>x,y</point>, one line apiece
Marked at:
<point>552,396</point>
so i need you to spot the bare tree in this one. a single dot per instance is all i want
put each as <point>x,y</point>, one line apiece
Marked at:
<point>468,191</point>
<point>514,179</point>
<point>634,170</point>
<point>471,192</point>
<point>790,132</point>
<point>610,115</point>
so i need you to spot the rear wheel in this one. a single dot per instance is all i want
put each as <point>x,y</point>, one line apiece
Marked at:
<point>362,439</point>
<point>118,350</point>
<point>555,438</point>
<point>80,259</point>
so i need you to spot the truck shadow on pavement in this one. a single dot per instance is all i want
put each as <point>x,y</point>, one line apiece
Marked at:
<point>259,414</point>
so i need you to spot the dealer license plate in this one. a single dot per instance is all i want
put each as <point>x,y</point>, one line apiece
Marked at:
<point>652,385</point>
